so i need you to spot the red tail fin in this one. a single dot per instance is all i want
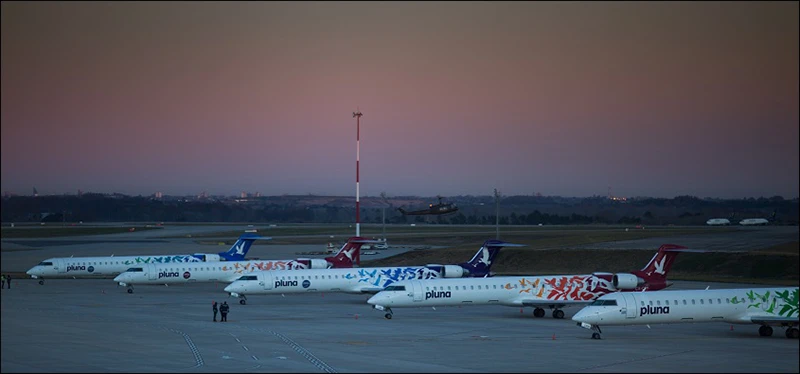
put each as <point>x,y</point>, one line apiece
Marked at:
<point>658,267</point>
<point>350,253</point>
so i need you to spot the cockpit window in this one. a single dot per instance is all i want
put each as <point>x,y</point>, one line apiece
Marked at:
<point>604,303</point>
<point>135,270</point>
<point>248,278</point>
<point>395,288</point>
<point>45,263</point>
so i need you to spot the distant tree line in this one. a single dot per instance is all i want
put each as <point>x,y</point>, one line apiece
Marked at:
<point>515,210</point>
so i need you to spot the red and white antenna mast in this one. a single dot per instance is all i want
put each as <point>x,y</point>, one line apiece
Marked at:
<point>357,114</point>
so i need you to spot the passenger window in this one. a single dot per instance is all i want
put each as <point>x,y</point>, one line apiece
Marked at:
<point>710,302</point>
<point>676,302</point>
<point>427,289</point>
<point>650,302</point>
<point>448,288</point>
<point>658,302</point>
<point>471,287</point>
<point>727,300</point>
<point>692,301</point>
<point>495,286</point>
<point>316,277</point>
<point>479,286</point>
<point>684,302</point>
<point>642,302</point>
<point>701,301</point>
<point>329,277</point>
<point>719,301</point>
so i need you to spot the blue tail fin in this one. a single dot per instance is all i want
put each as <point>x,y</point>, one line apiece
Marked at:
<point>481,263</point>
<point>240,248</point>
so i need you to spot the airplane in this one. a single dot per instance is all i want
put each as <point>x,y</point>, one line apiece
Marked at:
<point>154,273</point>
<point>362,280</point>
<point>763,306</point>
<point>92,267</point>
<point>758,221</point>
<point>433,209</point>
<point>720,221</point>
<point>552,291</point>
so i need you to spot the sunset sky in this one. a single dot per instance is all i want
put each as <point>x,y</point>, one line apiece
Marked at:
<point>652,99</point>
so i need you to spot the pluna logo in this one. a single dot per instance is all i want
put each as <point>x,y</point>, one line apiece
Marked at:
<point>653,310</point>
<point>186,275</point>
<point>75,268</point>
<point>90,269</point>
<point>285,283</point>
<point>437,294</point>
<point>306,283</point>
<point>168,274</point>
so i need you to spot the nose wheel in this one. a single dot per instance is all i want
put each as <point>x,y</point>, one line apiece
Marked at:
<point>130,290</point>
<point>243,301</point>
<point>41,281</point>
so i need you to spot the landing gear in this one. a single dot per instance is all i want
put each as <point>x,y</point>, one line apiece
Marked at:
<point>792,333</point>
<point>130,290</point>
<point>765,330</point>
<point>538,312</point>
<point>557,314</point>
<point>595,328</point>
<point>387,316</point>
<point>41,281</point>
<point>242,299</point>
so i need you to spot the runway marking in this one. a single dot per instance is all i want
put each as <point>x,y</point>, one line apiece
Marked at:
<point>302,351</point>
<point>254,358</point>
<point>635,360</point>
<point>245,348</point>
<point>197,357</point>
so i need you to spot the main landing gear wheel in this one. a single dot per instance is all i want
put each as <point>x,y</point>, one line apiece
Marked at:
<point>387,316</point>
<point>765,330</point>
<point>538,312</point>
<point>41,281</point>
<point>792,333</point>
<point>242,301</point>
<point>558,314</point>
<point>595,336</point>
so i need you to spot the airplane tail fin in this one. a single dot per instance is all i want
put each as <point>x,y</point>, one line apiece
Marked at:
<point>655,272</point>
<point>240,247</point>
<point>402,211</point>
<point>481,263</point>
<point>350,254</point>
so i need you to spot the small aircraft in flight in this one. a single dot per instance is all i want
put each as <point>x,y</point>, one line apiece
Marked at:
<point>433,209</point>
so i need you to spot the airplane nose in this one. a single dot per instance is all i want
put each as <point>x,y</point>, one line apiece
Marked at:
<point>228,288</point>
<point>373,300</point>
<point>583,316</point>
<point>119,278</point>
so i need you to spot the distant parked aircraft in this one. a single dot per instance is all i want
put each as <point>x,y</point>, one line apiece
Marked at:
<point>757,221</point>
<point>720,221</point>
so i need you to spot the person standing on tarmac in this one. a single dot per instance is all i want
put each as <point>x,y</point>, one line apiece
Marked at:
<point>4,280</point>
<point>214,305</point>
<point>224,310</point>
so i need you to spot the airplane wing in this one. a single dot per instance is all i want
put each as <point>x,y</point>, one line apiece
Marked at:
<point>370,290</point>
<point>554,303</point>
<point>774,320</point>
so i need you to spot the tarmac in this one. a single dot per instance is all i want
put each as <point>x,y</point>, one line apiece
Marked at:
<point>93,325</point>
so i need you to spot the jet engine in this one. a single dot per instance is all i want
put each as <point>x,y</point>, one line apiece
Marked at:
<point>207,257</point>
<point>314,263</point>
<point>449,271</point>
<point>627,281</point>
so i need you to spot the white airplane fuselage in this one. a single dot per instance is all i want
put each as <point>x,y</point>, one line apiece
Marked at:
<point>765,306</point>
<point>355,280</point>
<point>718,222</point>
<point>552,290</point>
<point>99,267</point>
<point>227,271</point>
